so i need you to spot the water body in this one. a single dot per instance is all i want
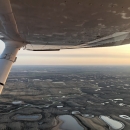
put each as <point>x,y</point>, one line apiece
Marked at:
<point>70,123</point>
<point>59,106</point>
<point>87,115</point>
<point>17,102</point>
<point>125,117</point>
<point>118,99</point>
<point>27,117</point>
<point>76,113</point>
<point>116,125</point>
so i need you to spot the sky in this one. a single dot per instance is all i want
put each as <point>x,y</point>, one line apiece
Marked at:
<point>119,55</point>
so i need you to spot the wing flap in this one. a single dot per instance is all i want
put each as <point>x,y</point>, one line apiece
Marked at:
<point>115,39</point>
<point>35,47</point>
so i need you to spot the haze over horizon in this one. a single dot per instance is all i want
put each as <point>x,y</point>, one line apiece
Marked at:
<point>119,55</point>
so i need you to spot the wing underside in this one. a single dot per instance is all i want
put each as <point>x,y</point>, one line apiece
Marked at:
<point>53,25</point>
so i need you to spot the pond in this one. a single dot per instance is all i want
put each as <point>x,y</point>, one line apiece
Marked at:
<point>116,125</point>
<point>70,123</point>
<point>34,117</point>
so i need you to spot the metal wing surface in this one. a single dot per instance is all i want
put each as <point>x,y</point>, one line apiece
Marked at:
<point>51,25</point>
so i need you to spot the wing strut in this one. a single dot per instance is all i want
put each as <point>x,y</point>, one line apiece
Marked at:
<point>7,58</point>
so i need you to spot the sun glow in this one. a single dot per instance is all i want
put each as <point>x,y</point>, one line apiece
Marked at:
<point>119,55</point>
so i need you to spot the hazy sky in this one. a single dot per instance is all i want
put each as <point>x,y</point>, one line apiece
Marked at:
<point>93,56</point>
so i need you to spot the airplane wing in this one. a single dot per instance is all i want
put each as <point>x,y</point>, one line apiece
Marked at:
<point>116,39</point>
<point>8,25</point>
<point>52,25</point>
